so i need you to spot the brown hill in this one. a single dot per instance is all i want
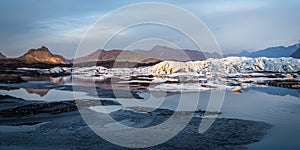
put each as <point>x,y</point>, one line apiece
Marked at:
<point>117,56</point>
<point>167,53</point>
<point>43,55</point>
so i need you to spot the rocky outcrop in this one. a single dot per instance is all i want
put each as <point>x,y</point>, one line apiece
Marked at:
<point>43,55</point>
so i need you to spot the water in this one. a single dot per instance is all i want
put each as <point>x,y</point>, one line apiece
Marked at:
<point>276,106</point>
<point>45,94</point>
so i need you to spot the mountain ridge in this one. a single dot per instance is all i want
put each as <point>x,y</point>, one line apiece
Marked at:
<point>271,52</point>
<point>113,55</point>
<point>115,58</point>
<point>167,53</point>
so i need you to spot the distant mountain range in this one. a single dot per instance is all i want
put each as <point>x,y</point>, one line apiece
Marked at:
<point>157,53</point>
<point>167,53</point>
<point>2,56</point>
<point>115,58</point>
<point>296,54</point>
<point>115,55</point>
<point>43,58</point>
<point>273,52</point>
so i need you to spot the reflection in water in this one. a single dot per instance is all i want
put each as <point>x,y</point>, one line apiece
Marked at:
<point>275,91</point>
<point>108,83</point>
<point>57,80</point>
<point>61,80</point>
<point>52,95</point>
<point>277,106</point>
<point>41,92</point>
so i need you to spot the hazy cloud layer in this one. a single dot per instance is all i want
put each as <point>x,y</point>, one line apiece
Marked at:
<point>237,25</point>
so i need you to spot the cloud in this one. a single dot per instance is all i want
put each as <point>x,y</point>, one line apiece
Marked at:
<point>237,24</point>
<point>28,24</point>
<point>250,25</point>
<point>226,6</point>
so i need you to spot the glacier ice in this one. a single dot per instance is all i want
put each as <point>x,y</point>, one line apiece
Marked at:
<point>55,70</point>
<point>229,73</point>
<point>229,65</point>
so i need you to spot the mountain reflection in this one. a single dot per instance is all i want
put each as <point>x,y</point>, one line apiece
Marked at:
<point>56,80</point>
<point>40,92</point>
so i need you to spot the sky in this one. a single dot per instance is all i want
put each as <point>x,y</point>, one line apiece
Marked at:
<point>237,25</point>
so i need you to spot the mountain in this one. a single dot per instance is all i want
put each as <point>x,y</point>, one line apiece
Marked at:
<point>113,55</point>
<point>296,54</point>
<point>35,58</point>
<point>167,53</point>
<point>272,52</point>
<point>116,58</point>
<point>43,55</point>
<point>2,56</point>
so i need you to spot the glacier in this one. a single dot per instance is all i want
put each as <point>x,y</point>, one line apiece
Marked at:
<point>229,73</point>
<point>230,65</point>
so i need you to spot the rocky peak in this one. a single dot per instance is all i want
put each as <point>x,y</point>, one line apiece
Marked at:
<point>41,49</point>
<point>43,55</point>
